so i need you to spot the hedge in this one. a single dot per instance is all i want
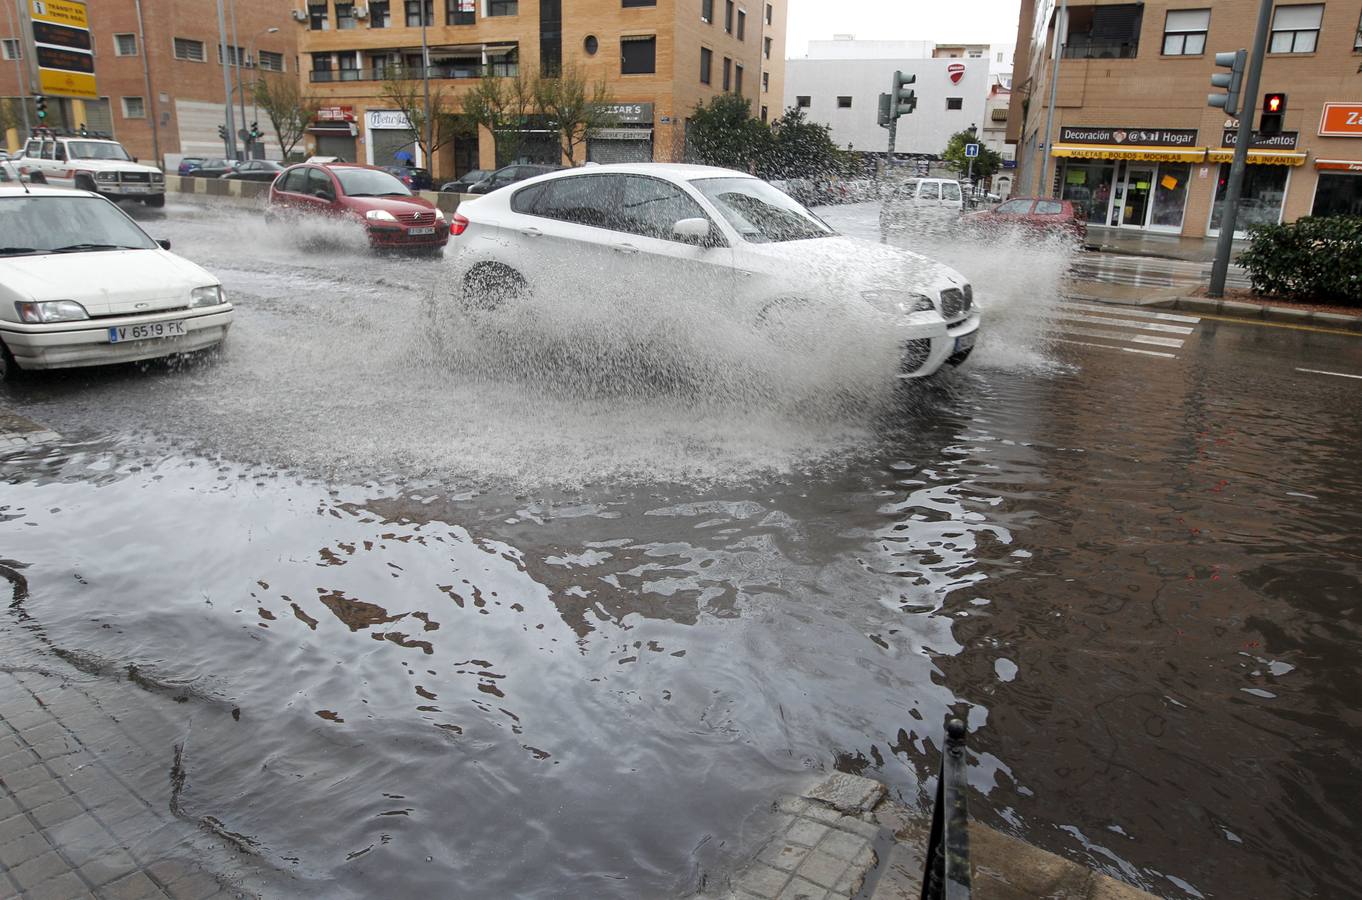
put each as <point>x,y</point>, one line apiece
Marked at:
<point>1313,259</point>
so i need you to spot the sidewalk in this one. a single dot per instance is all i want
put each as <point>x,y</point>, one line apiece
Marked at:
<point>1160,246</point>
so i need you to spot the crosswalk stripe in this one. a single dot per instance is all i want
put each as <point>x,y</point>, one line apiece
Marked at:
<point>1130,311</point>
<point>1124,349</point>
<point>1129,323</point>
<point>1122,336</point>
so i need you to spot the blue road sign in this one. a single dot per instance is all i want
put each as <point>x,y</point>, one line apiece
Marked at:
<point>971,151</point>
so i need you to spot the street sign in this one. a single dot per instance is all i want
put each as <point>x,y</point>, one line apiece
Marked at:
<point>63,49</point>
<point>971,151</point>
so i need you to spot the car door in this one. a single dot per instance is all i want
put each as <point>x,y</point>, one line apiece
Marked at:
<point>321,194</point>
<point>659,264</point>
<point>291,191</point>
<point>562,237</point>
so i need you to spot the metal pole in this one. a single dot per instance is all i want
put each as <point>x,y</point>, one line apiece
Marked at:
<point>146,81</point>
<point>1045,188</point>
<point>1248,100</point>
<point>230,141</point>
<point>893,133</point>
<point>19,78</point>
<point>425,78</point>
<point>236,53</point>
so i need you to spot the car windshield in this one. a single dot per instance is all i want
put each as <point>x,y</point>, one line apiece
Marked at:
<point>759,212</point>
<point>96,150</point>
<point>37,224</point>
<point>369,183</point>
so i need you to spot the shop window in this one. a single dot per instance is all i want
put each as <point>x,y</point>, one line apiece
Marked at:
<point>1261,202</point>
<point>638,55</point>
<point>1170,195</point>
<point>706,64</point>
<point>1295,29</point>
<point>1104,32</point>
<point>1338,194</point>
<point>1088,187</point>
<point>1184,32</point>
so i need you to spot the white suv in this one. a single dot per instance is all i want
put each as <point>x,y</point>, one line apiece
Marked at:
<point>91,164</point>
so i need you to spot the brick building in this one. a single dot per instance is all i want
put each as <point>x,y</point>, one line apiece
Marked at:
<point>174,49</point>
<point>658,58</point>
<point>1134,143</point>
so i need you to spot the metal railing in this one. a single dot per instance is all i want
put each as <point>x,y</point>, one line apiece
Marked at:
<point>335,76</point>
<point>947,875</point>
<point>1086,48</point>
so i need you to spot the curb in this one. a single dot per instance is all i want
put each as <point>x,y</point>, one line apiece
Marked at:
<point>254,193</point>
<point>1237,309</point>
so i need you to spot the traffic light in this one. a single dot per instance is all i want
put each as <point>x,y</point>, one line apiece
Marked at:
<point>40,102</point>
<point>1274,108</point>
<point>883,117</point>
<point>222,132</point>
<point>1231,81</point>
<point>255,131</point>
<point>904,99</point>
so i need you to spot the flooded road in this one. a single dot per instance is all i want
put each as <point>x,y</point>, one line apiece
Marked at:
<point>444,635</point>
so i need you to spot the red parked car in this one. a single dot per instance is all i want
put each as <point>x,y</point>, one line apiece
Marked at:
<point>393,217</point>
<point>1041,214</point>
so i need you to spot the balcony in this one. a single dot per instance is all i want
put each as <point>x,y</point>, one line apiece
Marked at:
<point>1079,48</point>
<point>442,72</point>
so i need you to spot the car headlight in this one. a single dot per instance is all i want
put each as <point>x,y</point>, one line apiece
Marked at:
<point>380,215</point>
<point>211,295</point>
<point>439,215</point>
<point>902,301</point>
<point>50,311</point>
<point>157,178</point>
<point>106,176</point>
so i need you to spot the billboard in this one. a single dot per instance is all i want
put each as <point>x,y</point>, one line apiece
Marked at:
<point>62,48</point>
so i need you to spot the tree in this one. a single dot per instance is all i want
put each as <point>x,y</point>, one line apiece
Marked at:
<point>985,164</point>
<point>803,149</point>
<point>403,90</point>
<point>574,107</point>
<point>725,134</point>
<point>289,110</point>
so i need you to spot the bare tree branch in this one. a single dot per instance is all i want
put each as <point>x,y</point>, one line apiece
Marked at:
<point>289,110</point>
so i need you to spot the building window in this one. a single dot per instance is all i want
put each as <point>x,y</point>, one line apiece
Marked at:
<point>706,64</point>
<point>345,16</point>
<point>232,56</point>
<point>737,79</point>
<point>461,12</point>
<point>1357,41</point>
<point>550,38</point>
<point>763,115</point>
<point>1295,29</point>
<point>707,11</point>
<point>591,45</point>
<point>742,25</point>
<point>1184,32</point>
<point>1104,32</point>
<point>380,13</point>
<point>503,8</point>
<point>1000,56</point>
<point>638,55</point>
<point>728,16</point>
<point>955,103</point>
<point>190,50</point>
<point>507,64</point>
<point>765,82</point>
<point>803,102</point>
<point>768,14</point>
<point>10,48</point>
<point>316,14</point>
<point>415,9</point>
<point>628,3</point>
<point>766,47</point>
<point>271,62</point>
<point>728,74</point>
<point>844,103</point>
<point>976,54</point>
<point>134,108</point>
<point>125,45</point>
<point>321,67</point>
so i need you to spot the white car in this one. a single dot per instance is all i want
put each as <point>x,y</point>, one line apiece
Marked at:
<point>708,232</point>
<point>81,284</point>
<point>91,163</point>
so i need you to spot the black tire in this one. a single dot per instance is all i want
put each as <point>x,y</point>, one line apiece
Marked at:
<point>156,201</point>
<point>9,369</point>
<point>84,183</point>
<point>489,286</point>
<point>37,178</point>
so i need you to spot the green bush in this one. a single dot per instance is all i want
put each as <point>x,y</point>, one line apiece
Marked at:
<point>1312,259</point>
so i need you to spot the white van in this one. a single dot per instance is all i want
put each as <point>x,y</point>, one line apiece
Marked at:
<point>918,198</point>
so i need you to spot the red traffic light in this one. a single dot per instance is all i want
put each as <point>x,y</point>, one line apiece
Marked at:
<point>1274,103</point>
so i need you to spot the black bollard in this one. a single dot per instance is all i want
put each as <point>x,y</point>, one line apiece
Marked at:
<point>947,875</point>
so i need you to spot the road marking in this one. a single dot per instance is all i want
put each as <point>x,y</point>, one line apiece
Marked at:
<point>1274,324</point>
<point>1129,311</point>
<point>1123,349</point>
<point>1130,323</point>
<point>1322,372</point>
<point>1121,336</point>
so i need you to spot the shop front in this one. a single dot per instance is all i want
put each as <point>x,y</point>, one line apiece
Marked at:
<point>1130,178</point>
<point>629,139</point>
<point>1266,179</point>
<point>333,132</point>
<point>1339,189</point>
<point>389,139</point>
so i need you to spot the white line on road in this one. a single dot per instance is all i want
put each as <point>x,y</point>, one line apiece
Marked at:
<point>1322,372</point>
<point>1123,336</point>
<point>1123,349</point>
<point>1129,311</point>
<point>1130,323</point>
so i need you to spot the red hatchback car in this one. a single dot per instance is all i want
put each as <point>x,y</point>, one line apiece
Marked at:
<point>1042,214</point>
<point>394,218</point>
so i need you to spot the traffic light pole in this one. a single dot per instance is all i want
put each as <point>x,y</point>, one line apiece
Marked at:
<point>1225,245</point>
<point>893,133</point>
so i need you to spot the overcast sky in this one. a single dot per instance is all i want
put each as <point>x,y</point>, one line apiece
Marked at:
<point>942,21</point>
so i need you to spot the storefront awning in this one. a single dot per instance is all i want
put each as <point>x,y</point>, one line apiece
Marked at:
<point>1261,157</point>
<point>338,129</point>
<point>1130,151</point>
<point>1339,165</point>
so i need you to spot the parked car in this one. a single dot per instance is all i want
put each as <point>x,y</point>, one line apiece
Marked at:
<point>1037,214</point>
<point>81,284</point>
<point>189,164</point>
<point>215,168</point>
<point>464,182</point>
<point>510,175</point>
<point>692,228</point>
<point>917,199</point>
<point>90,163</point>
<point>392,216</point>
<point>255,170</point>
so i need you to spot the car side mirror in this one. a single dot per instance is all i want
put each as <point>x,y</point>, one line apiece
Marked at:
<point>695,231</point>
<point>165,244</point>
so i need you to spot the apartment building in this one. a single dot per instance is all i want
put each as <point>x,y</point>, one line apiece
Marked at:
<point>160,74</point>
<point>1134,143</point>
<point>659,59</point>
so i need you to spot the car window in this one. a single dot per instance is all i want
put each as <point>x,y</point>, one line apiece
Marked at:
<point>59,152</point>
<point>318,183</point>
<point>504,177</point>
<point>1049,208</point>
<point>47,149</point>
<point>295,181</point>
<point>1015,207</point>
<point>33,149</point>
<point>98,150</point>
<point>369,183</point>
<point>48,223</point>
<point>950,191</point>
<point>759,212</point>
<point>582,199</point>
<point>526,200</point>
<point>930,190</point>
<point>651,207</point>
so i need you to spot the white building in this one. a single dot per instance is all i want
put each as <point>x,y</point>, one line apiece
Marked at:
<point>845,46</point>
<point>844,93</point>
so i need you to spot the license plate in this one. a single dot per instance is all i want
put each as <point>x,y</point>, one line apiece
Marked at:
<point>134,188</point>
<point>145,332</point>
<point>420,231</point>
<point>965,341</point>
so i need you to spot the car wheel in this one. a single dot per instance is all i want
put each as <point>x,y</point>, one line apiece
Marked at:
<point>37,178</point>
<point>489,286</point>
<point>155,202</point>
<point>9,369</point>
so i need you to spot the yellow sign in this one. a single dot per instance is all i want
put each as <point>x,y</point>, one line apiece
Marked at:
<point>56,83</point>
<point>60,12</point>
<point>1169,183</point>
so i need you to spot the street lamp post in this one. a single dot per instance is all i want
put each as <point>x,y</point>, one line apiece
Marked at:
<point>240,85</point>
<point>229,141</point>
<point>427,6</point>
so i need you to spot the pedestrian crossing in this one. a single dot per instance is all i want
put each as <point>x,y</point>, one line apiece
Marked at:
<point>1122,329</point>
